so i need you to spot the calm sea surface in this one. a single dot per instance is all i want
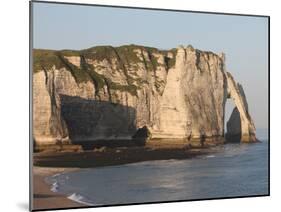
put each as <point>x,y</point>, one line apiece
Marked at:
<point>231,170</point>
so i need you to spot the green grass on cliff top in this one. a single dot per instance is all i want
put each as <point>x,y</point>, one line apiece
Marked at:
<point>45,59</point>
<point>124,55</point>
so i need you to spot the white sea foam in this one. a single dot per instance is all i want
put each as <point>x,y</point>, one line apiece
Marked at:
<point>206,156</point>
<point>56,175</point>
<point>210,156</point>
<point>55,187</point>
<point>79,198</point>
<point>75,197</point>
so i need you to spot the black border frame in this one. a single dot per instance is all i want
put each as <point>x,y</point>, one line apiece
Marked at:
<point>128,7</point>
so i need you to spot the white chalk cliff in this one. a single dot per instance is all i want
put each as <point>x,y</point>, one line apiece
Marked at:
<point>110,92</point>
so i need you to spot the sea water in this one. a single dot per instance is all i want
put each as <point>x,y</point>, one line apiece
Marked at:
<point>231,170</point>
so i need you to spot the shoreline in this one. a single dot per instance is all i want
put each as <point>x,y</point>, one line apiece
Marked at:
<point>43,197</point>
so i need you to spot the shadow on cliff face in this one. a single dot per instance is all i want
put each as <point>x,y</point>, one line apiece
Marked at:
<point>93,123</point>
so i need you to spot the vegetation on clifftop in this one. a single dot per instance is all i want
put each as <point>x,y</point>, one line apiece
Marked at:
<point>70,53</point>
<point>45,59</point>
<point>124,58</point>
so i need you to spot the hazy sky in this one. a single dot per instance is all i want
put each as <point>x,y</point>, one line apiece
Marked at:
<point>243,39</point>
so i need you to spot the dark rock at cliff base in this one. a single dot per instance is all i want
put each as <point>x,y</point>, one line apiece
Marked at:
<point>142,135</point>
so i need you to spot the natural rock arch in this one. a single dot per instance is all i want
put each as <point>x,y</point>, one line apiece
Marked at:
<point>240,124</point>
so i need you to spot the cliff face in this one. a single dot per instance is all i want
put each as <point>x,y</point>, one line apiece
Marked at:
<point>193,101</point>
<point>110,93</point>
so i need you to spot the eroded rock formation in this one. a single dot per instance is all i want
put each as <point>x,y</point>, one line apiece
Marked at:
<point>240,125</point>
<point>110,93</point>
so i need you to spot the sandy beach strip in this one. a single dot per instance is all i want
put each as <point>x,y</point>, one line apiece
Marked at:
<point>44,198</point>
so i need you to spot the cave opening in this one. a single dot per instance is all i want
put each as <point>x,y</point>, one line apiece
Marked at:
<point>141,136</point>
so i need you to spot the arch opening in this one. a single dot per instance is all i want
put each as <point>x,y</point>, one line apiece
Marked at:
<point>232,122</point>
